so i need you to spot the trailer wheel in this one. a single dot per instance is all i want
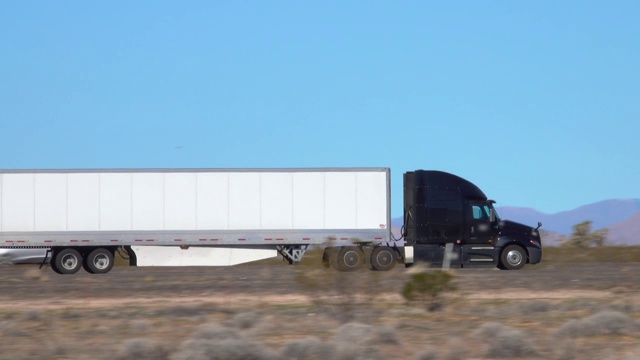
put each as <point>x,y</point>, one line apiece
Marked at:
<point>349,258</point>
<point>513,257</point>
<point>382,259</point>
<point>52,264</point>
<point>99,261</point>
<point>66,261</point>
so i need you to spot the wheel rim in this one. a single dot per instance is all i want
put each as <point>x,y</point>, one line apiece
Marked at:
<point>101,261</point>
<point>384,258</point>
<point>69,262</point>
<point>514,257</point>
<point>351,258</point>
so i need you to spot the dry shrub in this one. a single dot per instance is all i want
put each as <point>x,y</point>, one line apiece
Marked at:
<point>141,349</point>
<point>309,348</point>
<point>354,333</point>
<point>213,342</point>
<point>455,350</point>
<point>215,332</point>
<point>140,326</point>
<point>633,355</point>
<point>356,352</point>
<point>9,327</point>
<point>225,349</point>
<point>352,342</point>
<point>534,307</point>
<point>603,323</point>
<point>506,341</point>
<point>564,349</point>
<point>243,321</point>
<point>429,353</point>
<point>33,315</point>
<point>386,335</point>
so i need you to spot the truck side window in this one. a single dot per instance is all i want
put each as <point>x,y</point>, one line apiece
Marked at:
<point>481,212</point>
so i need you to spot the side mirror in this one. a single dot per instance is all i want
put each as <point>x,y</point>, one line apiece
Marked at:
<point>492,215</point>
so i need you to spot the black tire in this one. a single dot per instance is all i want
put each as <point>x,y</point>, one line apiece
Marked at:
<point>66,261</point>
<point>383,258</point>
<point>52,264</point>
<point>513,257</point>
<point>99,261</point>
<point>350,258</point>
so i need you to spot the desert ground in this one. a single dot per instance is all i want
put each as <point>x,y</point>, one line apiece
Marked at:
<point>576,304</point>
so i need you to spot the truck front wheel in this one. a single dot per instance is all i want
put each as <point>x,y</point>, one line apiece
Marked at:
<point>513,257</point>
<point>66,261</point>
<point>99,261</point>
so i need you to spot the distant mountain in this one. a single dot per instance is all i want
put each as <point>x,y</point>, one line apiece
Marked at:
<point>603,214</point>
<point>620,216</point>
<point>626,232</point>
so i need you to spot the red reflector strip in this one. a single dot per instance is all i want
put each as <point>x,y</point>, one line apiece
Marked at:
<point>268,239</point>
<point>279,239</point>
<point>378,238</point>
<point>74,241</point>
<point>307,239</point>
<point>150,240</point>
<point>202,239</point>
<point>242,239</point>
<point>48,241</point>
<point>9,241</point>
<point>344,238</point>
<point>85,241</point>
<point>138,240</point>
<point>215,239</point>
<point>177,239</point>
<point>114,240</point>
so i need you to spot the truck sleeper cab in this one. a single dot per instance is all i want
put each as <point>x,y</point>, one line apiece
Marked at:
<point>441,208</point>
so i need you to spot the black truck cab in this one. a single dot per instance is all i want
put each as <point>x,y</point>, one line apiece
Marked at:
<point>441,208</point>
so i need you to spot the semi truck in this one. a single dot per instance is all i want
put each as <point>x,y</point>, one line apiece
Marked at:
<point>222,217</point>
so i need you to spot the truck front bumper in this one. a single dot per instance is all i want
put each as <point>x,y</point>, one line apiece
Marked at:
<point>535,255</point>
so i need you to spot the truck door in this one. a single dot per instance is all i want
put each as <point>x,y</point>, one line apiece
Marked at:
<point>478,240</point>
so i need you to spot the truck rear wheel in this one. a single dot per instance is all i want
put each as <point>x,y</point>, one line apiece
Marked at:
<point>99,261</point>
<point>382,258</point>
<point>349,258</point>
<point>66,261</point>
<point>513,257</point>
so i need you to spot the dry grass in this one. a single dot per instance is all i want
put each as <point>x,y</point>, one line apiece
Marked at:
<point>554,256</point>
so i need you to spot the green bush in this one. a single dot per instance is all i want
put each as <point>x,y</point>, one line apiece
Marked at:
<point>427,287</point>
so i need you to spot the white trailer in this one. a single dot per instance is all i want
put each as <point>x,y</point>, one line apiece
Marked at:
<point>198,217</point>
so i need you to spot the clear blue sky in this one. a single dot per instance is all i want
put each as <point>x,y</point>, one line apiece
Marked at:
<point>537,102</point>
